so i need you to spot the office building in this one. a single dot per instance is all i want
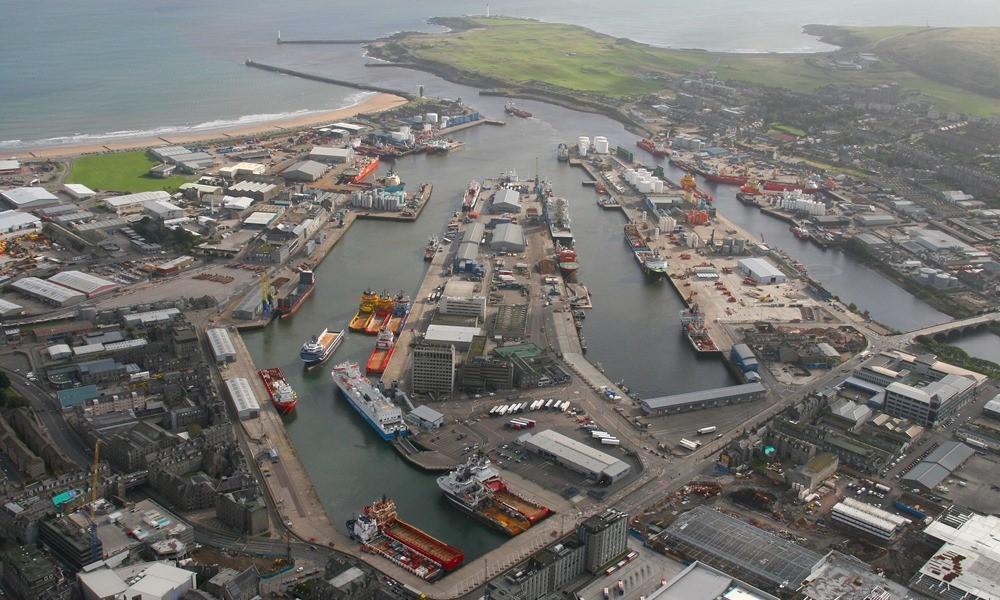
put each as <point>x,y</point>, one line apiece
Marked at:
<point>433,369</point>
<point>870,519</point>
<point>605,536</point>
<point>71,543</point>
<point>931,404</point>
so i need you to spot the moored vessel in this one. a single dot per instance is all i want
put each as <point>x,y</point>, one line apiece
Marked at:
<point>471,196</point>
<point>477,489</point>
<point>321,347</point>
<point>366,167</point>
<point>383,310</point>
<point>655,149</point>
<point>368,401</point>
<point>401,305</point>
<point>562,152</point>
<point>288,305</point>
<point>366,309</point>
<point>381,519</point>
<point>693,328</point>
<point>284,398</point>
<point>385,347</point>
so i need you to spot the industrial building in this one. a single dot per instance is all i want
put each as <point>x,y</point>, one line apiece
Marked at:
<point>262,191</point>
<point>460,298</point>
<point>992,408</point>
<point>841,576</point>
<point>162,210</point>
<point>260,219</point>
<point>425,418</point>
<point>9,309</point>
<point>508,237</point>
<point>432,370</point>
<point>85,283</point>
<point>699,581</point>
<point>222,345</point>
<point>451,335</point>
<point>760,270</point>
<point>29,197</point>
<point>809,476</point>
<point>148,581</point>
<point>870,519</point>
<point>930,404</point>
<point>703,399</point>
<point>506,201</point>
<point>939,465</point>
<point>734,546</point>
<point>244,400</point>
<point>50,293</point>
<point>331,155</point>
<point>965,567</point>
<point>575,455</point>
<point>14,221</point>
<point>744,358</point>
<point>306,170</point>
<point>134,203</point>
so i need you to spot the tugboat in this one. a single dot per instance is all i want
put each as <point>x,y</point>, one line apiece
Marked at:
<point>510,109</point>
<point>562,152</point>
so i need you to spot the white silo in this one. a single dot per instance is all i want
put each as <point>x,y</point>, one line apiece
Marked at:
<point>601,144</point>
<point>657,185</point>
<point>583,145</point>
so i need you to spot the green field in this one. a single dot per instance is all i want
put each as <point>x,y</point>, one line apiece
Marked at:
<point>121,172</point>
<point>520,52</point>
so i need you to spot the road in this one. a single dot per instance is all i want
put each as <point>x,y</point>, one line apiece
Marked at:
<point>49,413</point>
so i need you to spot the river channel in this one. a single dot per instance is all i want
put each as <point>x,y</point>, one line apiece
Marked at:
<point>633,331</point>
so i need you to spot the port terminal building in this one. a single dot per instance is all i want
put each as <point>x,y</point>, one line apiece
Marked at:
<point>760,270</point>
<point>575,455</point>
<point>678,403</point>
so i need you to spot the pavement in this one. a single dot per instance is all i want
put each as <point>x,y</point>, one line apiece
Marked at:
<point>47,408</point>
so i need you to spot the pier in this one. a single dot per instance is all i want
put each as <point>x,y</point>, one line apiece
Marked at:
<point>422,198</point>
<point>345,42</point>
<point>324,79</point>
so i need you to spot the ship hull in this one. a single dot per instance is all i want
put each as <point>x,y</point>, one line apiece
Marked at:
<point>375,324</point>
<point>360,321</point>
<point>269,377</point>
<point>310,362</point>
<point>287,311</point>
<point>364,415</point>
<point>367,170</point>
<point>724,179</point>
<point>485,520</point>
<point>378,360</point>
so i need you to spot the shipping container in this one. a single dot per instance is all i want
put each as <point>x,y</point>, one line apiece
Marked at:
<point>610,441</point>
<point>600,434</point>
<point>906,509</point>
<point>707,430</point>
<point>690,445</point>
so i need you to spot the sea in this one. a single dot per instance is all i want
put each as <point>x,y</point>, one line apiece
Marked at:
<point>81,72</point>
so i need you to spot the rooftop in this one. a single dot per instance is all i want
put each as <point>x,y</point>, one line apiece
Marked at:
<point>760,267</point>
<point>578,453</point>
<point>28,196</point>
<point>702,396</point>
<point>451,334</point>
<point>701,582</point>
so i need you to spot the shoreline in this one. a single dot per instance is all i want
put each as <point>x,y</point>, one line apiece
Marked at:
<point>378,102</point>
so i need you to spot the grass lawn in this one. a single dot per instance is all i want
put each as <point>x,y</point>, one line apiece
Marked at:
<point>789,129</point>
<point>121,172</point>
<point>520,51</point>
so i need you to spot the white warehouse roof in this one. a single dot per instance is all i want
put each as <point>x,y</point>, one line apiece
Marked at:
<point>260,218</point>
<point>50,292</point>
<point>579,454</point>
<point>760,268</point>
<point>8,308</point>
<point>28,196</point>
<point>78,190</point>
<point>137,198</point>
<point>83,282</point>
<point>236,202</point>
<point>12,220</point>
<point>222,345</point>
<point>242,395</point>
<point>454,334</point>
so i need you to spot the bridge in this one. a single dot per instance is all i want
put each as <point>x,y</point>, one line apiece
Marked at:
<point>977,323</point>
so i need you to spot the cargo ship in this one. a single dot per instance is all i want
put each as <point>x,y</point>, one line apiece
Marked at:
<point>693,328</point>
<point>366,309</point>
<point>477,489</point>
<point>566,257</point>
<point>471,196</point>
<point>656,150</point>
<point>366,168</point>
<point>382,312</point>
<point>510,109</point>
<point>556,213</point>
<point>321,347</point>
<point>378,411</point>
<point>284,398</point>
<point>380,519</point>
<point>562,152</point>
<point>401,305</point>
<point>289,305</point>
<point>385,347</point>
<point>724,178</point>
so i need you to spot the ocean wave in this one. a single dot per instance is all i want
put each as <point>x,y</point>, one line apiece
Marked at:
<point>124,134</point>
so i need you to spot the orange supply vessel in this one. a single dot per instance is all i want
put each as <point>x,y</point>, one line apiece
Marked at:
<point>284,398</point>
<point>366,310</point>
<point>366,168</point>
<point>385,347</point>
<point>381,516</point>
<point>383,310</point>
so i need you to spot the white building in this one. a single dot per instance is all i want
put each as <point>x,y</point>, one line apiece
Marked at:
<point>508,237</point>
<point>244,400</point>
<point>447,335</point>
<point>222,345</point>
<point>242,169</point>
<point>29,197</point>
<point>760,270</point>
<point>930,404</point>
<point>162,210</point>
<point>88,284</point>
<point>78,191</point>
<point>19,223</point>
<point>50,293</point>
<point>869,519</point>
<point>575,455</point>
<point>464,307</point>
<point>506,201</point>
<point>331,155</point>
<point>133,203</point>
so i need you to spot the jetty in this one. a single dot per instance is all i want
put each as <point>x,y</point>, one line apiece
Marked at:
<point>331,80</point>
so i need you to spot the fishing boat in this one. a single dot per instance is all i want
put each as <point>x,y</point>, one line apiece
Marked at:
<point>321,347</point>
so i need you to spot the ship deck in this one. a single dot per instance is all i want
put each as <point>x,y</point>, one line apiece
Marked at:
<point>530,510</point>
<point>448,556</point>
<point>510,524</point>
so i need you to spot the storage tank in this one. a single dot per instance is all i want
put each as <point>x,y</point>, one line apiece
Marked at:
<point>583,145</point>
<point>444,122</point>
<point>658,186</point>
<point>630,176</point>
<point>601,145</point>
<point>645,185</point>
<point>942,280</point>
<point>431,117</point>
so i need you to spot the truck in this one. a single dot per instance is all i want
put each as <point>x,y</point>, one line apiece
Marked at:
<point>707,430</point>
<point>610,441</point>
<point>548,403</point>
<point>692,446</point>
<point>565,406</point>
<point>881,487</point>
<point>599,434</point>
<point>912,511</point>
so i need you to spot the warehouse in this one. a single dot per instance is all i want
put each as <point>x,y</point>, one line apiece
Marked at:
<point>258,190</point>
<point>29,197</point>
<point>260,219</point>
<point>78,191</point>
<point>244,400</point>
<point>703,399</point>
<point>508,237</point>
<point>238,204</point>
<point>736,547</point>
<point>242,169</point>
<point>506,201</point>
<point>575,455</point>
<point>9,309</point>
<point>939,465</point>
<point>222,345</point>
<point>475,233</point>
<point>306,170</point>
<point>966,564</point>
<point>330,155</point>
<point>84,282</point>
<point>447,335</point>
<point>49,293</point>
<point>10,166</point>
<point>743,356</point>
<point>760,270</point>
<point>870,519</point>
<point>15,221</point>
<point>162,210</point>
<point>133,203</point>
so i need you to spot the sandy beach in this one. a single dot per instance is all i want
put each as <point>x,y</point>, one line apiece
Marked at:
<point>372,104</point>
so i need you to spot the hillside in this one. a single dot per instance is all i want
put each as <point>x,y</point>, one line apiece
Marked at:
<point>569,61</point>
